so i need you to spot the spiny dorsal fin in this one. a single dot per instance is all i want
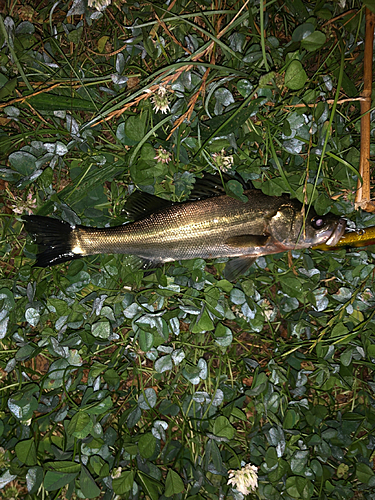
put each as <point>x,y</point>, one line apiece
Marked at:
<point>140,205</point>
<point>212,185</point>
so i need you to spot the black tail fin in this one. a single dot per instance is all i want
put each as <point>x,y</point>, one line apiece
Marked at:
<point>53,238</point>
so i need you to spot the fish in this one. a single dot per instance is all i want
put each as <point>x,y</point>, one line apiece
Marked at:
<point>210,224</point>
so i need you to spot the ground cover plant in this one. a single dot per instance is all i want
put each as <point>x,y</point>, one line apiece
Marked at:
<point>180,384</point>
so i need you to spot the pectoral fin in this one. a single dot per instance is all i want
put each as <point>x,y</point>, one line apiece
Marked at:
<point>247,241</point>
<point>237,266</point>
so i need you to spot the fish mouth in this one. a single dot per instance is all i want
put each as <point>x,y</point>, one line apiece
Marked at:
<point>337,233</point>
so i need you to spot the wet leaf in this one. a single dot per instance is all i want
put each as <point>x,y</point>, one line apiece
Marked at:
<point>26,452</point>
<point>173,484</point>
<point>124,483</point>
<point>295,76</point>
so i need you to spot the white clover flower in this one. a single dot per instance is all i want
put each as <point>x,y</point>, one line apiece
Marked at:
<point>19,206</point>
<point>267,309</point>
<point>116,473</point>
<point>99,4</point>
<point>160,100</point>
<point>162,155</point>
<point>221,161</point>
<point>244,480</point>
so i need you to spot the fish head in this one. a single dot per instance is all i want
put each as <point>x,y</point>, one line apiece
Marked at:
<point>294,230</point>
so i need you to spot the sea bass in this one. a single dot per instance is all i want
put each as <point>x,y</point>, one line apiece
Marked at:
<point>210,225</point>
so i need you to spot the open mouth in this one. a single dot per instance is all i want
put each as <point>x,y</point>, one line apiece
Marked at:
<point>337,233</point>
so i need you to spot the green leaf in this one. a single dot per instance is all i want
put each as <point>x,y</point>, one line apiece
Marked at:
<point>291,419</point>
<point>224,96</point>
<point>307,192</point>
<point>223,335</point>
<point>87,484</point>
<point>299,461</point>
<point>25,352</point>
<point>225,285</point>
<point>99,465</point>
<point>363,473</point>
<point>347,356</point>
<point>147,445</point>
<point>259,385</point>
<point>295,76</point>
<point>23,162</point>
<point>244,87</point>
<point>100,407</point>
<point>48,101</point>
<point>173,484</point>
<point>9,87</point>
<point>291,286</point>
<point>135,126</point>
<point>80,425</point>
<point>302,31</point>
<point>63,466</point>
<point>151,486</point>
<point>102,42</point>
<point>314,41</point>
<point>122,137</point>
<point>74,36</point>
<point>22,406</point>
<point>339,330</point>
<point>234,120</point>
<point>148,399</point>
<point>26,451</point>
<point>34,479</point>
<point>322,204</point>
<point>370,4</point>
<point>191,373</point>
<point>134,417</point>
<point>223,428</point>
<point>215,454</point>
<point>101,329</point>
<point>273,187</point>
<point>124,483</point>
<point>299,487</point>
<point>56,480</point>
<point>235,189</point>
<point>148,155</point>
<point>146,340</point>
<point>163,364</point>
<point>237,296</point>
<point>297,9</point>
<point>204,323</point>
<point>111,377</point>
<point>7,302</point>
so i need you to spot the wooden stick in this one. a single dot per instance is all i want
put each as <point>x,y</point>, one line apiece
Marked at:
<point>363,196</point>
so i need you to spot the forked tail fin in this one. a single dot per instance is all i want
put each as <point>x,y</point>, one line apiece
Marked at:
<point>53,237</point>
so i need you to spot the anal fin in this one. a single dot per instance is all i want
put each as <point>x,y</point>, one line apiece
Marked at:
<point>238,266</point>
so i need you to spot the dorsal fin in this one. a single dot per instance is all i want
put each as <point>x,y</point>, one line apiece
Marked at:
<point>212,185</point>
<point>140,205</point>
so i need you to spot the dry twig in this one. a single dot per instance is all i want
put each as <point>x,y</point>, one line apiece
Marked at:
<point>363,196</point>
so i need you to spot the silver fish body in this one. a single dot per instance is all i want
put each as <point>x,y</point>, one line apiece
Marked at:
<point>218,226</point>
<point>215,227</point>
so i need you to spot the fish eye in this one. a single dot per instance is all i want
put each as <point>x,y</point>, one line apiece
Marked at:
<point>317,222</point>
